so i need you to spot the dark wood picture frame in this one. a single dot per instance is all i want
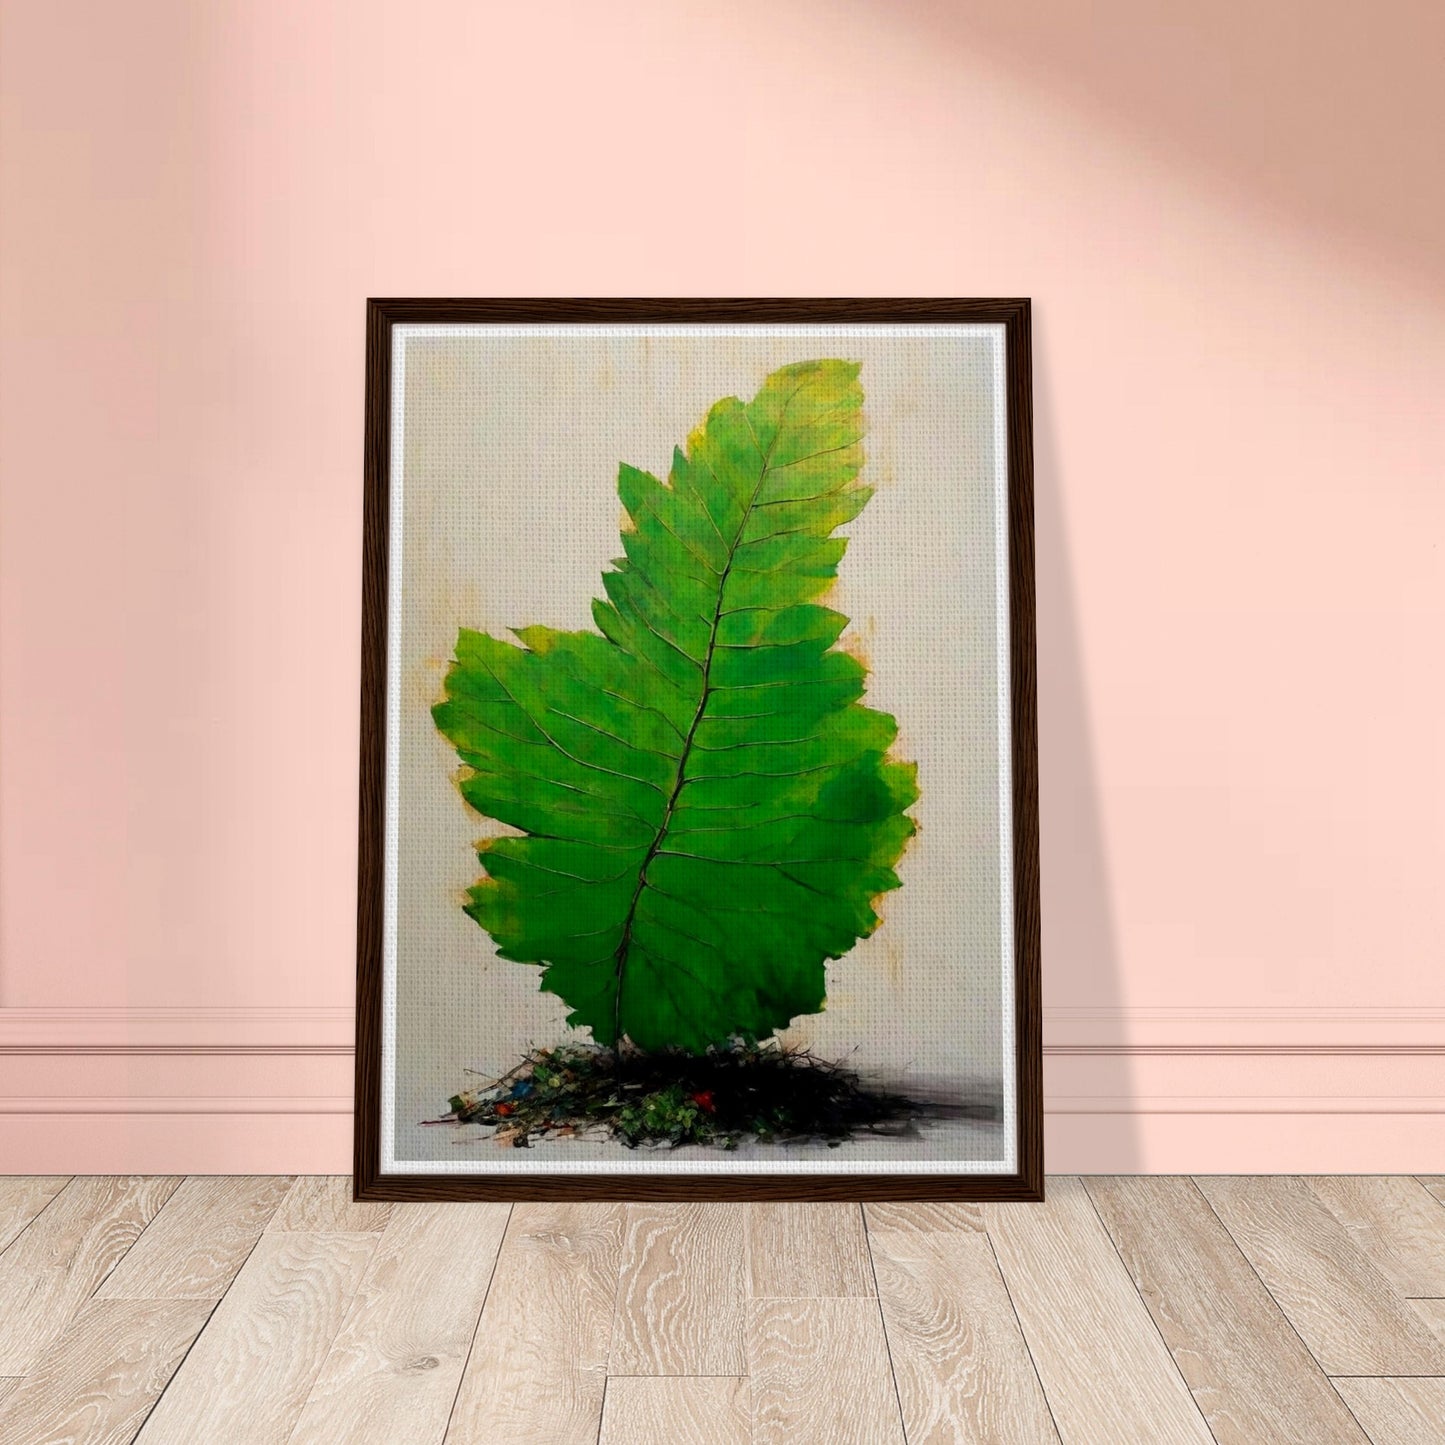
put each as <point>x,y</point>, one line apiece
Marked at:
<point>1027,1182</point>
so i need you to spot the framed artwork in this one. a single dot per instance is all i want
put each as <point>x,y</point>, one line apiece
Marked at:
<point>699,841</point>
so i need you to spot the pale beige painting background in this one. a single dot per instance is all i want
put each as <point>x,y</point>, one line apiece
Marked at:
<point>510,515</point>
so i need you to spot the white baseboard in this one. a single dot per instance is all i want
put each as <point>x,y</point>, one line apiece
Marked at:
<point>1128,1032</point>
<point>1139,1032</point>
<point>143,1031</point>
<point>1125,1088</point>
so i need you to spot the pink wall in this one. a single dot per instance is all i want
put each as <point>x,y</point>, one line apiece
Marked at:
<point>1231,221</point>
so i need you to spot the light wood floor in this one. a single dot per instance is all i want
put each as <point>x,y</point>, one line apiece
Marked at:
<point>1247,1311</point>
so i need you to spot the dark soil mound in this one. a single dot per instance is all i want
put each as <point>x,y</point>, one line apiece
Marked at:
<point>719,1098</point>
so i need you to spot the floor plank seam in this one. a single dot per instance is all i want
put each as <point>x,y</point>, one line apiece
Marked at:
<point>1349,1410</point>
<point>254,1245</point>
<point>1420,1180</point>
<point>1128,1274</point>
<point>171,1379</point>
<point>140,1234</point>
<point>690,1375</point>
<point>1028,1348</point>
<point>804,1298</point>
<point>29,1223</point>
<point>323,1355</point>
<point>1269,1293</point>
<point>477,1328</point>
<point>883,1324</point>
<point>265,1224</point>
<point>625,1235</point>
<point>602,1408</point>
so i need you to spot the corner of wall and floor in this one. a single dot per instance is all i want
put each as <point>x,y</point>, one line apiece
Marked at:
<point>1127,1090</point>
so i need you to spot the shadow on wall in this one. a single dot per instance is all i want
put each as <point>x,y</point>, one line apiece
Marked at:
<point>1322,112</point>
<point>1079,937</point>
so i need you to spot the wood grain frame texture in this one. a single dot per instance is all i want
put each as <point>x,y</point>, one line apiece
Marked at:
<point>1028,1182</point>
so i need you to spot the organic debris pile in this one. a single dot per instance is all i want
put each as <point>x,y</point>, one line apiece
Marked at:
<point>743,1091</point>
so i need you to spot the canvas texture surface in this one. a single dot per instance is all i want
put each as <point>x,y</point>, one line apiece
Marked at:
<point>509,515</point>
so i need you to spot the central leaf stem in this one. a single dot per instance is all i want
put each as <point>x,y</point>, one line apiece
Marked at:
<point>625,943</point>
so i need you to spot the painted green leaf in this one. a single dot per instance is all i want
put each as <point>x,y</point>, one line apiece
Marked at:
<point>707,811</point>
